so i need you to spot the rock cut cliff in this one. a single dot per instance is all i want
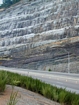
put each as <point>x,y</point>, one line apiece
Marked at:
<point>41,35</point>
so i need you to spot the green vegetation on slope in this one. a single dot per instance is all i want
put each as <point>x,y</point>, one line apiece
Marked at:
<point>8,3</point>
<point>51,92</point>
<point>3,78</point>
<point>13,98</point>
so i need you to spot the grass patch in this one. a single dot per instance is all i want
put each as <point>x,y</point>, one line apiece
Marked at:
<point>3,78</point>
<point>59,95</point>
<point>13,98</point>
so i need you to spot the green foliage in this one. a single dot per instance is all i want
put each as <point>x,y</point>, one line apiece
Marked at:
<point>2,85</point>
<point>8,3</point>
<point>13,98</point>
<point>75,100</point>
<point>55,95</point>
<point>51,92</point>
<point>3,77</point>
<point>16,82</point>
<point>49,70</point>
<point>62,96</point>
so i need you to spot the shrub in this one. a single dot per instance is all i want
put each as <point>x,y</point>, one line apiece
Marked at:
<point>49,70</point>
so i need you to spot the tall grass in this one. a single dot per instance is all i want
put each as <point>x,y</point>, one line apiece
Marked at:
<point>3,78</point>
<point>13,98</point>
<point>51,92</point>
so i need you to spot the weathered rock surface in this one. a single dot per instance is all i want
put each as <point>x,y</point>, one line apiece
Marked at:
<point>25,97</point>
<point>41,34</point>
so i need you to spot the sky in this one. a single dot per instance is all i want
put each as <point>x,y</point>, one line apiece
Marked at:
<point>0,1</point>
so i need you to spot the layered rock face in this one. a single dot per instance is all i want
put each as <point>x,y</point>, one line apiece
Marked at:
<point>41,35</point>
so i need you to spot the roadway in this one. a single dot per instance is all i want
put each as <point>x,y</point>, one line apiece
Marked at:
<point>62,80</point>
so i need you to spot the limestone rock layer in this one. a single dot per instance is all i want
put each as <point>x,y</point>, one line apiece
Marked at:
<point>41,35</point>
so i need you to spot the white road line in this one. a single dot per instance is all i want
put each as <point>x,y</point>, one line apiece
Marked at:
<point>76,82</point>
<point>59,82</point>
<point>66,80</point>
<point>53,76</point>
<point>49,77</point>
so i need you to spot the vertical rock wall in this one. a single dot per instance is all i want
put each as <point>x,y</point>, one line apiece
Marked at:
<point>39,34</point>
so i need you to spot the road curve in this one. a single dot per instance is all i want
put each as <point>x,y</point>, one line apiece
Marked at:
<point>62,80</point>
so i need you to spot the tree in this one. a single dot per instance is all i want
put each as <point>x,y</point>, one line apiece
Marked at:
<point>7,3</point>
<point>15,1</point>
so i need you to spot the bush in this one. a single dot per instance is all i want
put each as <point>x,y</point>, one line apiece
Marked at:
<point>49,70</point>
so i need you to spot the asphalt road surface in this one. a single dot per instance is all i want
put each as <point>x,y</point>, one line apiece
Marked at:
<point>62,80</point>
